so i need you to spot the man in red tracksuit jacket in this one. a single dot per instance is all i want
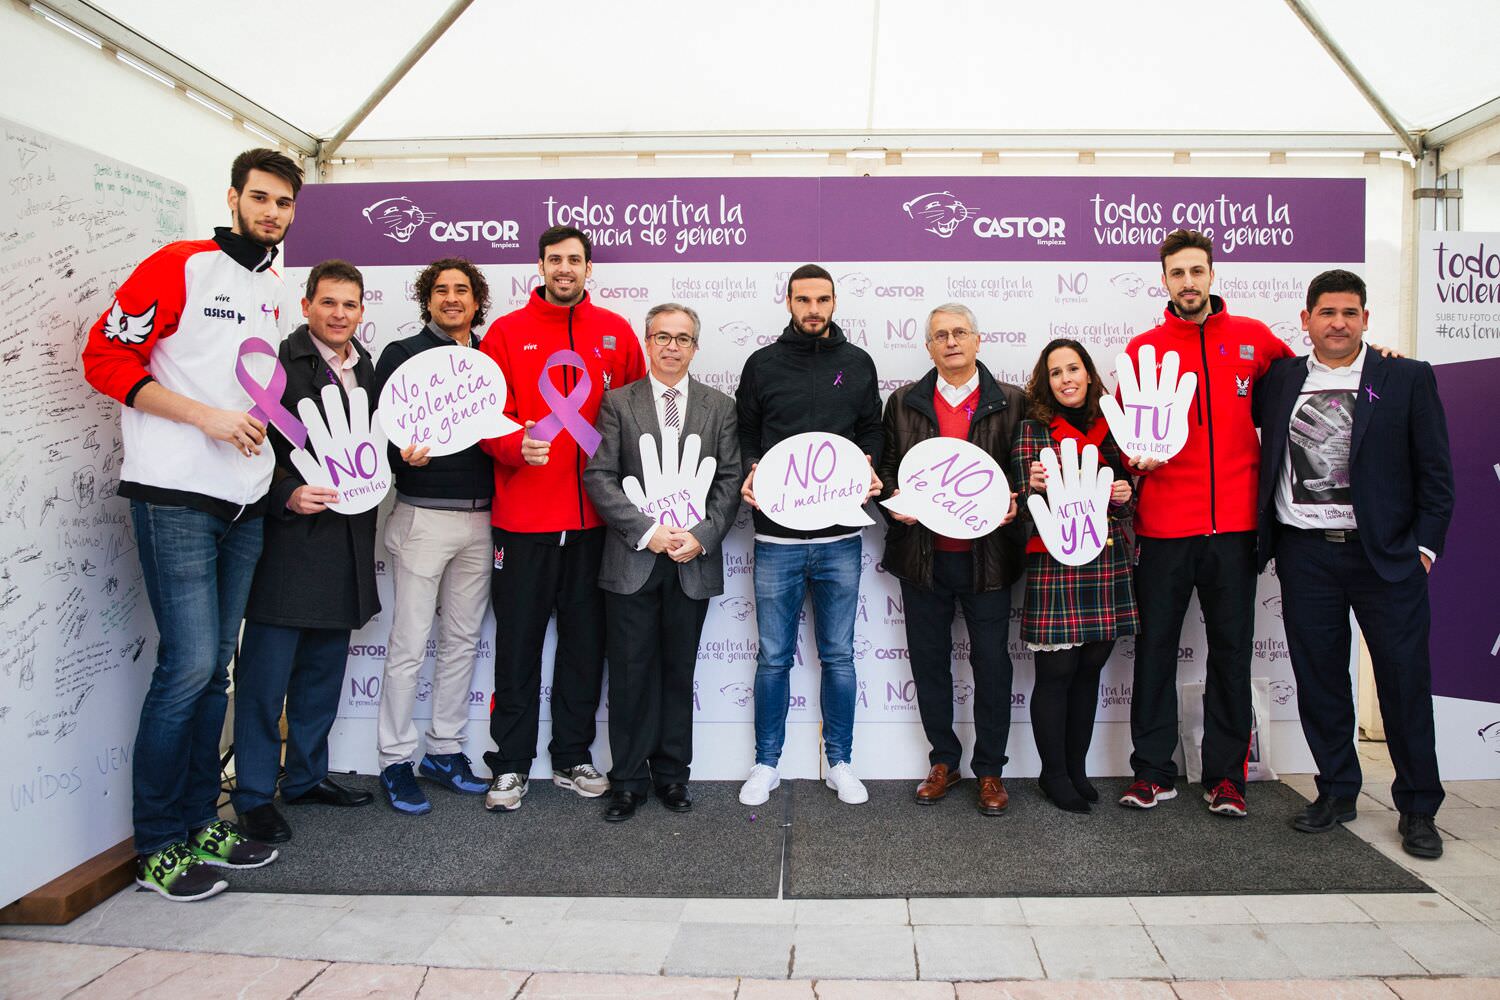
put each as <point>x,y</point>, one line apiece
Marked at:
<point>548,537</point>
<point>1196,522</point>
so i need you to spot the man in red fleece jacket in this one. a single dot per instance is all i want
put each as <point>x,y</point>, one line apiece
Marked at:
<point>548,537</point>
<point>1195,521</point>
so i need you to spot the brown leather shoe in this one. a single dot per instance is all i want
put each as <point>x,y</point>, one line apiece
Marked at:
<point>993,798</point>
<point>936,785</point>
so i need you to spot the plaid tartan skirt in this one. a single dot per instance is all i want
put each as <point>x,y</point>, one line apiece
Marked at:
<point>1074,604</point>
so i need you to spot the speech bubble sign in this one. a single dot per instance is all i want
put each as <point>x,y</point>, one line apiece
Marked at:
<point>1072,517</point>
<point>445,399</point>
<point>350,454</point>
<point>951,486</point>
<point>1150,419</point>
<point>813,480</point>
<point>675,488</point>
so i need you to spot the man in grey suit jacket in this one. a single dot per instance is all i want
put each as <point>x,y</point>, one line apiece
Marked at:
<point>667,515</point>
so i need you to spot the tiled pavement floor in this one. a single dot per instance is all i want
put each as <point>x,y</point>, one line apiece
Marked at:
<point>1410,945</point>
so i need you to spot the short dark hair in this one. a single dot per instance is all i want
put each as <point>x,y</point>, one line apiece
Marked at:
<point>808,271</point>
<point>271,162</point>
<point>1186,239</point>
<point>1337,280</point>
<point>1041,404</point>
<point>334,270</point>
<point>422,290</point>
<point>559,234</point>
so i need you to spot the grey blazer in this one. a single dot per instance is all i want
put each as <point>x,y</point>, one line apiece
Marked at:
<point>624,415</point>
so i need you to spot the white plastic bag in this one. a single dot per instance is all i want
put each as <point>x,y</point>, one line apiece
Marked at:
<point>1190,699</point>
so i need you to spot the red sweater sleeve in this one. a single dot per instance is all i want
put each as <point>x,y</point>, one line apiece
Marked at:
<point>635,358</point>
<point>146,308</point>
<point>507,447</point>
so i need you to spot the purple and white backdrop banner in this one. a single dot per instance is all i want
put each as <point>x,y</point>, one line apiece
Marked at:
<point>1034,257</point>
<point>1458,331</point>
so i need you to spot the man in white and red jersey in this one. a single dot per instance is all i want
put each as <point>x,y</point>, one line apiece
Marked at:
<point>1195,523</point>
<point>548,537</point>
<point>196,471</point>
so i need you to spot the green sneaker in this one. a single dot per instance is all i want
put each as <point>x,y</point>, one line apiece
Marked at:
<point>177,875</point>
<point>220,844</point>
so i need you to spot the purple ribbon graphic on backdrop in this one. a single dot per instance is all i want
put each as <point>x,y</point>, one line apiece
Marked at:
<point>565,408</point>
<point>267,398</point>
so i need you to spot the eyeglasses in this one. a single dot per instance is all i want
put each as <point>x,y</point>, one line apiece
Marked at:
<point>682,340</point>
<point>958,335</point>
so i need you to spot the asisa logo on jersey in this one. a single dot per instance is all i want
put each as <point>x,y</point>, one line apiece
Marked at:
<point>401,218</point>
<point>129,328</point>
<point>938,212</point>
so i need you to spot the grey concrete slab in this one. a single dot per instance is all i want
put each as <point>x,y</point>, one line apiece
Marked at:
<point>376,938</point>
<point>1098,953</point>
<point>1323,951</point>
<point>853,952</point>
<point>1230,951</point>
<point>762,951</point>
<point>488,942</point>
<point>1449,949</point>
<point>611,946</point>
<point>970,910</point>
<point>976,952</point>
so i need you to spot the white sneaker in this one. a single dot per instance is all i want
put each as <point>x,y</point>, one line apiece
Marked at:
<point>756,791</point>
<point>841,779</point>
<point>583,779</point>
<point>505,792</point>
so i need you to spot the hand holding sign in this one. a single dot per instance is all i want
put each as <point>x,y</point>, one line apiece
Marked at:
<point>1072,520</point>
<point>953,487</point>
<point>676,489</point>
<point>447,399</point>
<point>351,458</point>
<point>814,480</point>
<point>1150,420</point>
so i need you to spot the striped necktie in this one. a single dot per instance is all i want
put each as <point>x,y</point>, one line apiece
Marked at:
<point>669,397</point>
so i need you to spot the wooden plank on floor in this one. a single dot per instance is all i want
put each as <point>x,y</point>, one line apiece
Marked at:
<point>75,892</point>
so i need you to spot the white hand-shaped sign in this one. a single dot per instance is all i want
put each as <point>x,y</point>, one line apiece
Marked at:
<point>1150,420</point>
<point>676,489</point>
<point>1073,519</point>
<point>350,453</point>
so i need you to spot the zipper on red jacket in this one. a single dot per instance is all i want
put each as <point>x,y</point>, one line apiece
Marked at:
<point>1213,493</point>
<point>578,461</point>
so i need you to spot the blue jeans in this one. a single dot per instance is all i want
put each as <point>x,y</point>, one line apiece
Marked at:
<point>783,575</point>
<point>303,667</point>
<point>197,572</point>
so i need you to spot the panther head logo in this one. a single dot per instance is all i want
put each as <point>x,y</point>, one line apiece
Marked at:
<point>939,212</point>
<point>861,648</point>
<point>855,283</point>
<point>741,608</point>
<point>739,331</point>
<point>1129,284</point>
<point>399,217</point>
<point>1282,692</point>
<point>1288,333</point>
<point>129,328</point>
<point>962,692</point>
<point>738,692</point>
<point>1273,605</point>
<point>1490,736</point>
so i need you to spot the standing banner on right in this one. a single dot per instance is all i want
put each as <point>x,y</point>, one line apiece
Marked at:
<point>1458,332</point>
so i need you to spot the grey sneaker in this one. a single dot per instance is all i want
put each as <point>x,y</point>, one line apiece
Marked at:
<point>583,779</point>
<point>505,792</point>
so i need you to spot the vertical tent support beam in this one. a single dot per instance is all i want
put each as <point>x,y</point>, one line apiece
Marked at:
<point>329,147</point>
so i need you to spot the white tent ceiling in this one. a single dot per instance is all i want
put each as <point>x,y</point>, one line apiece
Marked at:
<point>513,74</point>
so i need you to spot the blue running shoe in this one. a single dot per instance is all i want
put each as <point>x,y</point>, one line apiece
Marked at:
<point>452,771</point>
<point>402,792</point>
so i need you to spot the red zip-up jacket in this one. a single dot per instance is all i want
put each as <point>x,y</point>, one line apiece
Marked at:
<point>544,498</point>
<point>1210,485</point>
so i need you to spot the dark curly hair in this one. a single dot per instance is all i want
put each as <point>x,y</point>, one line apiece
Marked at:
<point>422,289</point>
<point>1041,404</point>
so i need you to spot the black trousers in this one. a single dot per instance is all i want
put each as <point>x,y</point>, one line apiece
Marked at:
<point>1320,582</point>
<point>929,639</point>
<point>652,644</point>
<point>541,574</point>
<point>1222,569</point>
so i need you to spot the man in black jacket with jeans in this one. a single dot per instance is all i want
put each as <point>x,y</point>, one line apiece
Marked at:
<point>810,379</point>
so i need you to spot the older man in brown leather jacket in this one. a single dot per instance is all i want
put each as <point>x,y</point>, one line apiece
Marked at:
<point>957,398</point>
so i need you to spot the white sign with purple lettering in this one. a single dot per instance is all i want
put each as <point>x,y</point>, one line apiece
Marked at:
<point>673,487</point>
<point>445,399</point>
<point>953,487</point>
<point>814,480</point>
<point>1150,419</point>
<point>1072,518</point>
<point>348,454</point>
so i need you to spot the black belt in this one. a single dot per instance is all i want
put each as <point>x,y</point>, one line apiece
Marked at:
<point>1330,534</point>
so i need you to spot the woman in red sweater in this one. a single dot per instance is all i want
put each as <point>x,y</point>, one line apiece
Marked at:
<point>1072,614</point>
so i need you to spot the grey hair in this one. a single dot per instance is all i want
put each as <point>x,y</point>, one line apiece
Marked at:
<point>674,307</point>
<point>954,309</point>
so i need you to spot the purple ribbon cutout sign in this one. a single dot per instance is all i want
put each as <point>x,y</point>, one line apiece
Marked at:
<point>267,398</point>
<point>564,408</point>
